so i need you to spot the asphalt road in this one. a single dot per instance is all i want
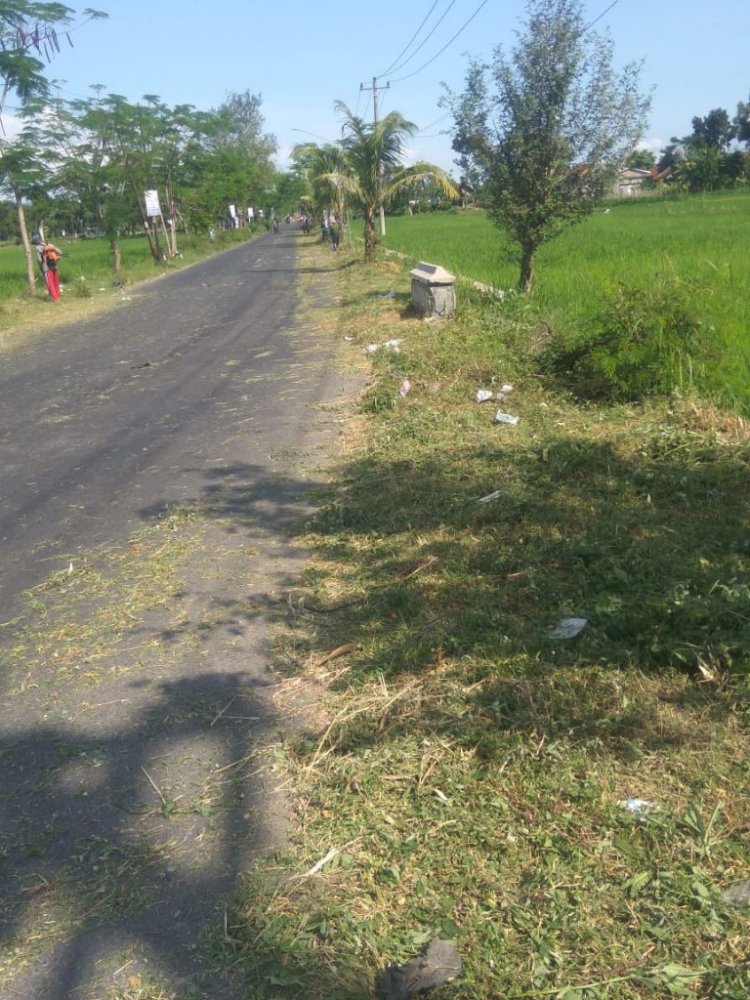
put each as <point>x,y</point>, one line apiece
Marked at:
<point>106,421</point>
<point>201,388</point>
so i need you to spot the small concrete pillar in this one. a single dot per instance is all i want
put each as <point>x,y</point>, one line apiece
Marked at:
<point>433,290</point>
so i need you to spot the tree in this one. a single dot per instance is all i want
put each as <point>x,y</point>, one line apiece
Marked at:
<point>246,149</point>
<point>318,164</point>
<point>548,133</point>
<point>371,171</point>
<point>715,131</point>
<point>641,159</point>
<point>29,37</point>
<point>742,122</point>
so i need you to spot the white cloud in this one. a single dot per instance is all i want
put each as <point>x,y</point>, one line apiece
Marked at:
<point>653,144</point>
<point>11,127</point>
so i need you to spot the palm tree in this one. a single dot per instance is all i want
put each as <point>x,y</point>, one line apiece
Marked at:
<point>319,163</point>
<point>371,171</point>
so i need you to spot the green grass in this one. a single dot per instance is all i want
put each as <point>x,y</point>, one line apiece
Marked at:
<point>469,771</point>
<point>698,242</point>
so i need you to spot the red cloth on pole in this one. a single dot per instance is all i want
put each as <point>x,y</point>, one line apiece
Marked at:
<point>53,283</point>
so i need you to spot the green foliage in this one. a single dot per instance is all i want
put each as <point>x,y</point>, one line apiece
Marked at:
<point>365,171</point>
<point>695,241</point>
<point>547,143</point>
<point>643,342</point>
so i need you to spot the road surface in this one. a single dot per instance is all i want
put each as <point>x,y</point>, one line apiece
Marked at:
<point>130,799</point>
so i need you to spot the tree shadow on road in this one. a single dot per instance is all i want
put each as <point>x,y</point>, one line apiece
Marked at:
<point>120,845</point>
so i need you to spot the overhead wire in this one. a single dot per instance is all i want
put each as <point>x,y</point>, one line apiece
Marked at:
<point>447,44</point>
<point>591,24</point>
<point>424,133</point>
<point>406,47</point>
<point>428,36</point>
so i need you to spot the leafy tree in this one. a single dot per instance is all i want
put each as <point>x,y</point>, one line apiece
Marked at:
<point>245,150</point>
<point>29,37</point>
<point>742,122</point>
<point>641,159</point>
<point>290,188</point>
<point>701,171</point>
<point>370,172</point>
<point>715,131</point>
<point>319,164</point>
<point>550,129</point>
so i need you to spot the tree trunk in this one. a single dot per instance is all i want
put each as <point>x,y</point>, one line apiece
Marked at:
<point>28,252</point>
<point>370,241</point>
<point>526,281</point>
<point>114,245</point>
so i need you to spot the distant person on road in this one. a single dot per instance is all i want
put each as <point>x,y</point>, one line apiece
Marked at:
<point>48,256</point>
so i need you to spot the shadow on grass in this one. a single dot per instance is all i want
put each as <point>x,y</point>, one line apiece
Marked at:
<point>652,550</point>
<point>426,574</point>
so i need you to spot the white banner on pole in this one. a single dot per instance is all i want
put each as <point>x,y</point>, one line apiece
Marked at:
<point>152,203</point>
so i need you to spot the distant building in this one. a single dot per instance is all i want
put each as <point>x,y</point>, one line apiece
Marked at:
<point>632,182</point>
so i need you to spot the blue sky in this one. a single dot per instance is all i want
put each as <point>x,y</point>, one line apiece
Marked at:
<point>303,55</point>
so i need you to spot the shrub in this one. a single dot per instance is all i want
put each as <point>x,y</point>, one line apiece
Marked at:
<point>642,342</point>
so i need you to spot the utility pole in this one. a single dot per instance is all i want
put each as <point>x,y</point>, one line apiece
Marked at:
<point>375,90</point>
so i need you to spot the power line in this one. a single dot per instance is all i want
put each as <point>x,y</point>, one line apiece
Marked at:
<point>433,124</point>
<point>448,43</point>
<point>424,41</point>
<point>359,101</point>
<point>592,23</point>
<point>426,19</point>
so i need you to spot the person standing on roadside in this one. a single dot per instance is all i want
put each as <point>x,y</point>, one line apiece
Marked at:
<point>48,256</point>
<point>335,232</point>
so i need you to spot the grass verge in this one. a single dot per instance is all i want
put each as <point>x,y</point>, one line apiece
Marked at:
<point>89,284</point>
<point>465,775</point>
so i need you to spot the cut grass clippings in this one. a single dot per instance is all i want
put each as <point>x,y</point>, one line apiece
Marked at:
<point>464,775</point>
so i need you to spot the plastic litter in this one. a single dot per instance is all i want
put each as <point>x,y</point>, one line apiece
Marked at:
<point>495,495</point>
<point>483,395</point>
<point>506,418</point>
<point>404,388</point>
<point>440,964</point>
<point>506,387</point>
<point>389,345</point>
<point>568,628</point>
<point>637,806</point>
<point>737,894</point>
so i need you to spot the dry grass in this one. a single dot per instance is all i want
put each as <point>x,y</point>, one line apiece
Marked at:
<point>463,776</point>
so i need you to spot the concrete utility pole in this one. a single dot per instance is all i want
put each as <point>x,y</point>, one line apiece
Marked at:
<point>375,90</point>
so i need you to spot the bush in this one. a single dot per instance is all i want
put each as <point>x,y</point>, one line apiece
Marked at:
<point>642,342</point>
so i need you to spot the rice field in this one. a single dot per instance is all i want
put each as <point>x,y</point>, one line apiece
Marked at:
<point>87,263</point>
<point>702,242</point>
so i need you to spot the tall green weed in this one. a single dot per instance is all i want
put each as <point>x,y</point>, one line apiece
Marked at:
<point>641,342</point>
